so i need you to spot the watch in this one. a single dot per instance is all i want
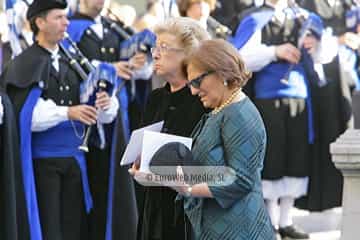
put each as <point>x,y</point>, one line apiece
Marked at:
<point>188,192</point>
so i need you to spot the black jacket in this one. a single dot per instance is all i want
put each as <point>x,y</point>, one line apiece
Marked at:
<point>163,218</point>
<point>13,220</point>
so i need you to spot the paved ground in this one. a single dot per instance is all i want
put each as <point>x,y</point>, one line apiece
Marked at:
<point>321,226</point>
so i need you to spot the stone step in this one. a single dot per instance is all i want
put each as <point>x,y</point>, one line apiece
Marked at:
<point>321,225</point>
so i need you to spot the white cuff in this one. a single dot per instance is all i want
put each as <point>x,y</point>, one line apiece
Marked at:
<point>271,53</point>
<point>257,59</point>
<point>109,114</point>
<point>63,113</point>
<point>47,114</point>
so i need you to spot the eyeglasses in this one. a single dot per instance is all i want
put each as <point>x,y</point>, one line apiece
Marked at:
<point>196,82</point>
<point>163,48</point>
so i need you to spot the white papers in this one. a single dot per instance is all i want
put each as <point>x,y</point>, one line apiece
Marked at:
<point>134,147</point>
<point>152,141</point>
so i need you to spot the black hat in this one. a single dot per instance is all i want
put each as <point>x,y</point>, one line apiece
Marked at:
<point>169,156</point>
<point>38,6</point>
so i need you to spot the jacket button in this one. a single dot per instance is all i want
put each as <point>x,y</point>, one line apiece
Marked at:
<point>41,84</point>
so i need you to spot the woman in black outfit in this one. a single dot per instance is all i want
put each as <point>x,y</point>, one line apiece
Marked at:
<point>163,218</point>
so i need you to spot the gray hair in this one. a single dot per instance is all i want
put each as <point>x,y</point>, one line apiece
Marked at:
<point>188,31</point>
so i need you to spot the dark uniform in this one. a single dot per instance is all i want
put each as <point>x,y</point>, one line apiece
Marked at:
<point>287,152</point>
<point>333,16</point>
<point>105,49</point>
<point>58,180</point>
<point>54,170</point>
<point>282,94</point>
<point>230,12</point>
<point>121,221</point>
<point>331,101</point>
<point>13,221</point>
<point>6,54</point>
<point>163,218</point>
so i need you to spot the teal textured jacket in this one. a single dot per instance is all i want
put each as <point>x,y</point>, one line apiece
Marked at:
<point>236,138</point>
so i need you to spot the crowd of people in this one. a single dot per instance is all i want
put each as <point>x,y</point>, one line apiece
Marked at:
<point>261,87</point>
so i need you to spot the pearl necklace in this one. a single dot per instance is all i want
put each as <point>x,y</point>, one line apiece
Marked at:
<point>227,102</point>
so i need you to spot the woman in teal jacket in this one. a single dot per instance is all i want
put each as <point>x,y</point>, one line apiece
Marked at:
<point>232,135</point>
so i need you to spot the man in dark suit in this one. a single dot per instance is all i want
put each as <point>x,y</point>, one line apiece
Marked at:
<point>45,91</point>
<point>98,41</point>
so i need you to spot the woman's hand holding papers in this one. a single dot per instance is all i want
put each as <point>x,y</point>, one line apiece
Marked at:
<point>135,167</point>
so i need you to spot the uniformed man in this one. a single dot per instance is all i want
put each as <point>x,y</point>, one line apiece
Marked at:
<point>44,88</point>
<point>333,99</point>
<point>279,49</point>
<point>96,38</point>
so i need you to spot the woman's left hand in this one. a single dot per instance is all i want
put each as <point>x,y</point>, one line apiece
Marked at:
<point>181,189</point>
<point>180,185</point>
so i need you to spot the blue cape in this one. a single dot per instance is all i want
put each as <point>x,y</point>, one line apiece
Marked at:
<point>41,145</point>
<point>248,26</point>
<point>76,30</point>
<point>27,164</point>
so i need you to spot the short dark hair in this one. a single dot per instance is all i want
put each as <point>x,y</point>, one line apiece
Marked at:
<point>150,4</point>
<point>184,5</point>
<point>218,55</point>
<point>32,21</point>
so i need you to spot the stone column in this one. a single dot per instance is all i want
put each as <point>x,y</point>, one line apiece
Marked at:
<point>346,156</point>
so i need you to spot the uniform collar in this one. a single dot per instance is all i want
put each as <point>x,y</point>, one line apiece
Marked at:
<point>53,52</point>
<point>97,19</point>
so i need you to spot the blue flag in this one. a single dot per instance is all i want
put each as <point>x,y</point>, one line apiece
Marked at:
<point>249,26</point>
<point>15,10</point>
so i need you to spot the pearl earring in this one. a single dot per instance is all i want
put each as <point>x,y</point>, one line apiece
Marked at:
<point>225,83</point>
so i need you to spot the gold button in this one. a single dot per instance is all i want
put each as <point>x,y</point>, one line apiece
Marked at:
<point>70,102</point>
<point>112,50</point>
<point>61,88</point>
<point>88,32</point>
<point>62,101</point>
<point>67,87</point>
<point>103,50</point>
